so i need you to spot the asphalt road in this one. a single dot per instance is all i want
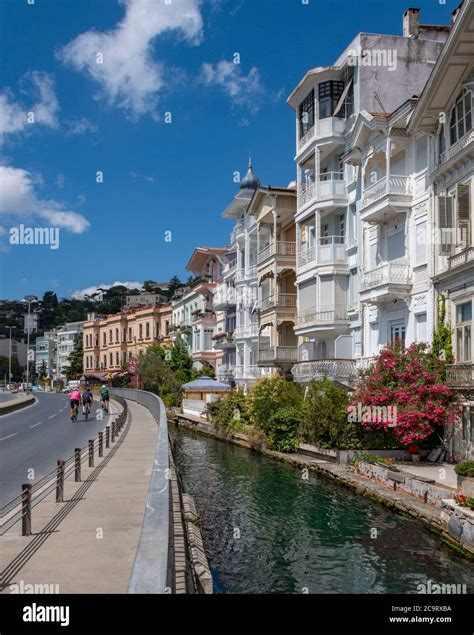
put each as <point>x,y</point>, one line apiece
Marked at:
<point>35,437</point>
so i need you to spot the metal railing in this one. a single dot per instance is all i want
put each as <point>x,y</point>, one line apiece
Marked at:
<point>461,258</point>
<point>31,494</point>
<point>280,248</point>
<point>460,375</point>
<point>278,353</point>
<point>325,315</point>
<point>395,185</point>
<point>150,569</point>
<point>282,300</point>
<point>314,369</point>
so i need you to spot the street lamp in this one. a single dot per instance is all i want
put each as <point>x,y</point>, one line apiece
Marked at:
<point>10,357</point>
<point>29,299</point>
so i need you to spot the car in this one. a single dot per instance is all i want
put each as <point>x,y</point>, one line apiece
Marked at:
<point>66,390</point>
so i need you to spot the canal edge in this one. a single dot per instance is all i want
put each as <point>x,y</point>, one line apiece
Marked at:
<point>429,518</point>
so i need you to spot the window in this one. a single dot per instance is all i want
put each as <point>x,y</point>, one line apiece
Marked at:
<point>104,338</point>
<point>110,336</point>
<point>147,330</point>
<point>446,223</point>
<point>342,227</point>
<point>468,423</point>
<point>167,327</point>
<point>329,95</point>
<point>208,339</point>
<point>117,358</point>
<point>140,331</point>
<point>397,331</point>
<point>421,148</point>
<point>325,234</point>
<point>420,327</point>
<point>463,331</point>
<point>357,341</point>
<point>111,359</point>
<point>117,339</point>
<point>420,243</point>
<point>461,116</point>
<point>130,334</point>
<point>306,114</point>
<point>105,361</point>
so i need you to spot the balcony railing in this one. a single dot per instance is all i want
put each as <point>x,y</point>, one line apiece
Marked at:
<point>461,259</point>
<point>391,185</point>
<point>389,273</point>
<point>331,185</point>
<point>246,274</point>
<point>278,353</point>
<point>315,369</point>
<point>282,300</point>
<point>306,137</point>
<point>327,250</point>
<point>460,375</point>
<point>280,248</point>
<point>249,372</point>
<point>327,127</point>
<point>246,331</point>
<point>323,315</point>
<point>456,147</point>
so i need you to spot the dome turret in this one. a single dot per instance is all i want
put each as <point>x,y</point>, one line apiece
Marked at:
<point>250,181</point>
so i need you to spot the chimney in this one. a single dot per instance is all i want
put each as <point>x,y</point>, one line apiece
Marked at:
<point>411,23</point>
<point>456,12</point>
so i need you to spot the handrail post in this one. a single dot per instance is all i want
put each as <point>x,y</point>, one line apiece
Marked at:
<point>60,482</point>
<point>91,452</point>
<point>26,509</point>
<point>113,431</point>
<point>101,444</point>
<point>77,465</point>
<point>107,436</point>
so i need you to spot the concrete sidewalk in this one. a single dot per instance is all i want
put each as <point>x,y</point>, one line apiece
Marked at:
<point>91,547</point>
<point>442,473</point>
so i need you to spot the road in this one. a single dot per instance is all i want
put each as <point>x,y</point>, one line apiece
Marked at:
<point>35,437</point>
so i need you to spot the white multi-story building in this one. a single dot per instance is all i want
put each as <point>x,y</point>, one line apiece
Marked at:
<point>46,353</point>
<point>361,222</point>
<point>66,340</point>
<point>444,116</point>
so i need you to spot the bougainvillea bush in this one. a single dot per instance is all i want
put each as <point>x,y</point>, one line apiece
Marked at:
<point>411,382</point>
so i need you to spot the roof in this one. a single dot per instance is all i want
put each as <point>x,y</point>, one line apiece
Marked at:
<point>200,256</point>
<point>206,383</point>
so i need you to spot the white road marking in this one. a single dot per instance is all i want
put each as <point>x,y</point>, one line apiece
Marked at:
<point>9,436</point>
<point>36,424</point>
<point>51,416</point>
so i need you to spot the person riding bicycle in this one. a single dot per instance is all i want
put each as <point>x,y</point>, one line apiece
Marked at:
<point>75,397</point>
<point>104,397</point>
<point>86,399</point>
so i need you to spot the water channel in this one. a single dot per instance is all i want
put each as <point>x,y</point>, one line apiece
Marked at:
<point>268,530</point>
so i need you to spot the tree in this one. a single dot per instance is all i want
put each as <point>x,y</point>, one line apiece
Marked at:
<point>157,376</point>
<point>43,371</point>
<point>75,366</point>
<point>410,383</point>
<point>149,286</point>
<point>269,395</point>
<point>442,340</point>
<point>325,422</point>
<point>180,361</point>
<point>16,369</point>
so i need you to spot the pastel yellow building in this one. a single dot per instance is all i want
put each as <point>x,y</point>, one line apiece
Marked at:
<point>111,342</point>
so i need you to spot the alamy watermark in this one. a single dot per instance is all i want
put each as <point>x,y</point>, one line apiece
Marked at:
<point>372,414</point>
<point>436,588</point>
<point>373,57</point>
<point>22,235</point>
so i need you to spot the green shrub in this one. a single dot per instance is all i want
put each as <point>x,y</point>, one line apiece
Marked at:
<point>230,413</point>
<point>375,460</point>
<point>465,468</point>
<point>269,395</point>
<point>282,429</point>
<point>325,419</point>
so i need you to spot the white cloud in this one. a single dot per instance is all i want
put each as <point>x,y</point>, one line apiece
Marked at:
<point>149,178</point>
<point>129,77</point>
<point>79,126</point>
<point>244,90</point>
<point>18,198</point>
<point>14,117</point>
<point>90,291</point>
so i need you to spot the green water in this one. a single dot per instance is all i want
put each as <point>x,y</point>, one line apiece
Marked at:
<point>268,530</point>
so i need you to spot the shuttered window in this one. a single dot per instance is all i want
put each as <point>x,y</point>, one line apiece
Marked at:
<point>307,295</point>
<point>463,214</point>
<point>446,223</point>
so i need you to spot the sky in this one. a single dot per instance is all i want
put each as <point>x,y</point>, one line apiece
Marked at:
<point>123,124</point>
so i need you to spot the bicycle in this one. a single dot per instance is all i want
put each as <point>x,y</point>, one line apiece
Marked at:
<point>74,411</point>
<point>87,409</point>
<point>105,405</point>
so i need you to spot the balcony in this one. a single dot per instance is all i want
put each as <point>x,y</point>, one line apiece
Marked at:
<point>462,258</point>
<point>389,282</point>
<point>457,147</point>
<point>330,250</point>
<point>329,192</point>
<point>224,298</point>
<point>343,370</point>
<point>249,372</point>
<point>239,229</point>
<point>461,376</point>
<point>230,268</point>
<point>327,130</point>
<point>323,319</point>
<point>278,356</point>
<point>389,195</point>
<point>224,341</point>
<point>282,251</point>
<point>246,275</point>
<point>244,332</point>
<point>280,301</point>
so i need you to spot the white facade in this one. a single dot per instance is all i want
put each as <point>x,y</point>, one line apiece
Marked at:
<point>46,352</point>
<point>363,271</point>
<point>66,340</point>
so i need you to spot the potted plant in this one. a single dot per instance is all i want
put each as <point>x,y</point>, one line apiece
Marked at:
<point>465,474</point>
<point>414,451</point>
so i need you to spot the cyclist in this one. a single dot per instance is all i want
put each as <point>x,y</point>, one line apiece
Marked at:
<point>86,401</point>
<point>75,397</point>
<point>104,397</point>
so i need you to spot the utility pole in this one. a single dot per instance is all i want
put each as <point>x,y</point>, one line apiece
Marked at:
<point>28,299</point>
<point>10,357</point>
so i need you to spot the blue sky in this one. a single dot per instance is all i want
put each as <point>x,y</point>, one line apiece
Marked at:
<point>157,177</point>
